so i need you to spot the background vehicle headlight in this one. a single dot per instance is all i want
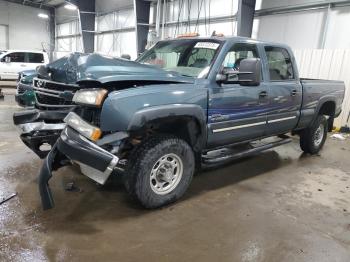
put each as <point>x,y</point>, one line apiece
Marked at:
<point>84,128</point>
<point>93,96</point>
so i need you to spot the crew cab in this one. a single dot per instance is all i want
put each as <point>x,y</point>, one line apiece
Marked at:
<point>14,61</point>
<point>183,104</point>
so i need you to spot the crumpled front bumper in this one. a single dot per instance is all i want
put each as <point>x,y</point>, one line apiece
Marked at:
<point>72,146</point>
<point>39,127</point>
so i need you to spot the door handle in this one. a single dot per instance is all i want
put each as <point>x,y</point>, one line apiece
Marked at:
<point>23,65</point>
<point>294,92</point>
<point>263,94</point>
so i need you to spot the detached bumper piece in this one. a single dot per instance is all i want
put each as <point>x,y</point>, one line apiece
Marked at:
<point>94,161</point>
<point>38,128</point>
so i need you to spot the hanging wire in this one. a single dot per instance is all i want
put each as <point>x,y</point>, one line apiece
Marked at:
<point>197,22</point>
<point>178,17</point>
<point>205,17</point>
<point>189,5</point>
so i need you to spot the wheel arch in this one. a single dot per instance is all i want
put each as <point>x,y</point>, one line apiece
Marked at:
<point>185,121</point>
<point>327,108</point>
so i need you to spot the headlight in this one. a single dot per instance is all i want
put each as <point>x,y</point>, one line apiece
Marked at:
<point>90,96</point>
<point>84,128</point>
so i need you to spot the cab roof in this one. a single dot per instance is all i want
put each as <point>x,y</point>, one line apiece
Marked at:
<point>228,39</point>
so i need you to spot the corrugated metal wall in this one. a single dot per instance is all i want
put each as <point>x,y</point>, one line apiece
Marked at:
<point>68,39</point>
<point>178,13</point>
<point>332,64</point>
<point>120,41</point>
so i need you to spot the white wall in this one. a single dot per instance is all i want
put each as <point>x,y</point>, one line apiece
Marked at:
<point>304,29</point>
<point>338,28</point>
<point>26,29</point>
<point>327,64</point>
<point>206,9</point>
<point>299,30</point>
<point>266,4</point>
<point>116,43</point>
<point>68,32</point>
<point>69,39</point>
<point>4,37</point>
<point>107,6</point>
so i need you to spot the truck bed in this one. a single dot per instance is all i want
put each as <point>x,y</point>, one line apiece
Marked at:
<point>315,93</point>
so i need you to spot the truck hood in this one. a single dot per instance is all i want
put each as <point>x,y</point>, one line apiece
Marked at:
<point>79,67</point>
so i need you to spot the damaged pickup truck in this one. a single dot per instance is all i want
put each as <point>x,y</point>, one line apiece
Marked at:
<point>184,103</point>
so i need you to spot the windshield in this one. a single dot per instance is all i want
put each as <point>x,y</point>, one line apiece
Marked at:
<point>188,57</point>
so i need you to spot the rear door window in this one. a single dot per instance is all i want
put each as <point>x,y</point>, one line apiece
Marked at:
<point>16,57</point>
<point>36,58</point>
<point>279,63</point>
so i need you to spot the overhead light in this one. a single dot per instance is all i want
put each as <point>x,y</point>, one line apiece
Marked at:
<point>70,7</point>
<point>43,16</point>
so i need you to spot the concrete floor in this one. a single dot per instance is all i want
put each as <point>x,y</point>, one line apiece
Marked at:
<point>279,206</point>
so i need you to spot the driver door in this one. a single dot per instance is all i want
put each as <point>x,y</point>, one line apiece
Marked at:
<point>237,113</point>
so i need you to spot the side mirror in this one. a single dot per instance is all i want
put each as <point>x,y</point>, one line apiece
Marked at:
<point>250,72</point>
<point>7,59</point>
<point>227,76</point>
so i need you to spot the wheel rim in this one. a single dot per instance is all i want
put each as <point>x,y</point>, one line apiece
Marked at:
<point>166,174</point>
<point>319,133</point>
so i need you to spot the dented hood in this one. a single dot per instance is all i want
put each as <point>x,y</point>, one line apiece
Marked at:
<point>79,67</point>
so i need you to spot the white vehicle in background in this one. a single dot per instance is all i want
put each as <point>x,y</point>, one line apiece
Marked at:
<point>14,61</point>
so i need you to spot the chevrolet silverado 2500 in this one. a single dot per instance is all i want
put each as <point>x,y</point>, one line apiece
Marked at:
<point>184,103</point>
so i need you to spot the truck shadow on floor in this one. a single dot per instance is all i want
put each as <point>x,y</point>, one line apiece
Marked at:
<point>111,202</point>
<point>235,172</point>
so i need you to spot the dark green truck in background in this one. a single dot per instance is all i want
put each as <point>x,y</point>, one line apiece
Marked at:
<point>24,92</point>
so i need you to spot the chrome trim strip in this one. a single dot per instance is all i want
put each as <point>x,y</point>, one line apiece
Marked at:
<point>238,127</point>
<point>37,126</point>
<point>47,90</point>
<point>53,82</point>
<point>47,94</point>
<point>281,119</point>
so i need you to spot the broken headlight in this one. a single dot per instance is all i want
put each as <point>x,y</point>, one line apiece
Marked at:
<point>84,128</point>
<point>93,96</point>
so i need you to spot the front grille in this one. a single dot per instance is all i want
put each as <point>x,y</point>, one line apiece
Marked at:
<point>52,95</point>
<point>21,88</point>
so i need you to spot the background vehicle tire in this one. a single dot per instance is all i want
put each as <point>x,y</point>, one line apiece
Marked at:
<point>160,171</point>
<point>313,138</point>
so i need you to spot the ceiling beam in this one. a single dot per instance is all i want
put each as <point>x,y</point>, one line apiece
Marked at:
<point>40,5</point>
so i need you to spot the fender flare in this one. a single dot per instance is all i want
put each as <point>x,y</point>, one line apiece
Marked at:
<point>146,115</point>
<point>322,101</point>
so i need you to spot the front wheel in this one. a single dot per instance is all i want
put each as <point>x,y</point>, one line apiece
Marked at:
<point>313,138</point>
<point>160,171</point>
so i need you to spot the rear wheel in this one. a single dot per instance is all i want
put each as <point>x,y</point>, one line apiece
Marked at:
<point>313,138</point>
<point>160,171</point>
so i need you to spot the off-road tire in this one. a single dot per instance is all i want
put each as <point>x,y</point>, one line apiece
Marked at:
<point>308,137</point>
<point>144,157</point>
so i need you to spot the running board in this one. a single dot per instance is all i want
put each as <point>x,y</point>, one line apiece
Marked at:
<point>210,160</point>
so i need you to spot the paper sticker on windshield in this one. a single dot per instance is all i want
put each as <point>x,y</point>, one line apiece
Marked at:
<point>208,45</point>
